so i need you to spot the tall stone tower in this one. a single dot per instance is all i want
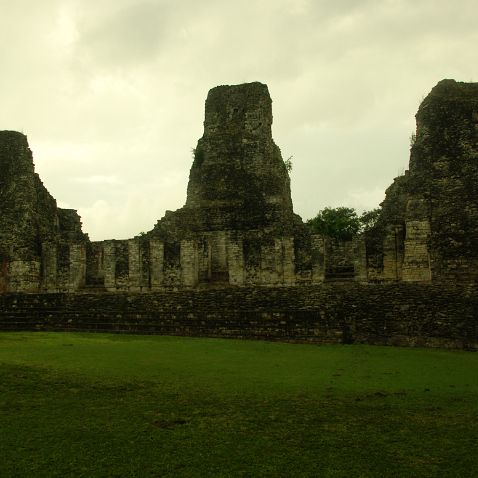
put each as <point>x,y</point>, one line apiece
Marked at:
<point>238,180</point>
<point>237,225</point>
<point>429,224</point>
<point>238,177</point>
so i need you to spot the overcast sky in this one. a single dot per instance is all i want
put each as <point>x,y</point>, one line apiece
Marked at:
<point>111,92</point>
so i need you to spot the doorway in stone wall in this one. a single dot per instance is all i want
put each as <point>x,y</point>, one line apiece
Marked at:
<point>213,267</point>
<point>3,274</point>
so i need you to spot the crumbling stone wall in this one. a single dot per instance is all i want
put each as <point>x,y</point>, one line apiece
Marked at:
<point>214,259</point>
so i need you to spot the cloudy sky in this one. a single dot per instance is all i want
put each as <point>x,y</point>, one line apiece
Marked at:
<point>111,92</point>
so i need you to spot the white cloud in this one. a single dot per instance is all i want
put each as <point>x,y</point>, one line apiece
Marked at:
<point>137,210</point>
<point>365,200</point>
<point>98,180</point>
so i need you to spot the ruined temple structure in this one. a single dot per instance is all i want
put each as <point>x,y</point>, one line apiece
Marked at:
<point>238,228</point>
<point>428,229</point>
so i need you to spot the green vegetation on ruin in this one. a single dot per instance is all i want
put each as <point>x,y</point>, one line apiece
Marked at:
<point>116,405</point>
<point>343,223</point>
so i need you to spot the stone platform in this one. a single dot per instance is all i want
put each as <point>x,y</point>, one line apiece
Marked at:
<point>385,314</point>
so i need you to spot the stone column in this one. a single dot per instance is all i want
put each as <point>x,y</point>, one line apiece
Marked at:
<point>156,251</point>
<point>77,275</point>
<point>134,265</point>
<point>416,262</point>
<point>189,263</point>
<point>109,264</point>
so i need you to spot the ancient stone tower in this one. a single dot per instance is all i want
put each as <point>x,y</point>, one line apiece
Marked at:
<point>238,214</point>
<point>429,224</point>
<point>238,179</point>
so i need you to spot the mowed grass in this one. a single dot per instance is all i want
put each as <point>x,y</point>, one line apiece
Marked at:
<point>88,405</point>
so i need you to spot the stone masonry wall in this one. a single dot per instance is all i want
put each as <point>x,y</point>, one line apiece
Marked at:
<point>218,259</point>
<point>393,314</point>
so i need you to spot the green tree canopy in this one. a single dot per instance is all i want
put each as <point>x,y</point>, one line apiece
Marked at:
<point>369,219</point>
<point>342,222</point>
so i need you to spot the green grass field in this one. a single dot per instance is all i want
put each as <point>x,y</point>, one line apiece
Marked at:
<point>145,406</point>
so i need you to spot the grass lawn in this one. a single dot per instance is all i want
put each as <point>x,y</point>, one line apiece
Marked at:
<point>89,405</point>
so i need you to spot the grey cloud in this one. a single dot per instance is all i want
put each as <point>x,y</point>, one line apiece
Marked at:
<point>132,34</point>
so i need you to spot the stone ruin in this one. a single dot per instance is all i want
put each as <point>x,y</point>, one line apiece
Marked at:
<point>238,227</point>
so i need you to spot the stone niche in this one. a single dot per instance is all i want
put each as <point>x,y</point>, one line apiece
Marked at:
<point>238,228</point>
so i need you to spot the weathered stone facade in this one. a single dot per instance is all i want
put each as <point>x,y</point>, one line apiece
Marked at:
<point>428,230</point>
<point>238,227</point>
<point>41,246</point>
<point>236,261</point>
